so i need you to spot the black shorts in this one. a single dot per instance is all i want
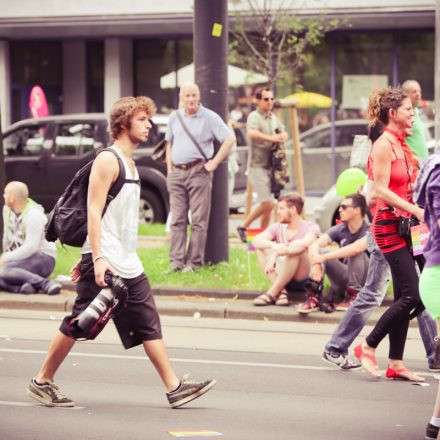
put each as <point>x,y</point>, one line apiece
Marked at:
<point>138,321</point>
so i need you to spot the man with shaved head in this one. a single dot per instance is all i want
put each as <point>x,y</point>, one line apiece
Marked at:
<point>417,140</point>
<point>28,258</point>
<point>191,163</point>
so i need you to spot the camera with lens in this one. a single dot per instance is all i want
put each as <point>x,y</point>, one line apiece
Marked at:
<point>405,224</point>
<point>91,321</point>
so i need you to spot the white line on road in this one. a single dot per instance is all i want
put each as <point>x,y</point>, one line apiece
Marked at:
<point>182,360</point>
<point>7,403</point>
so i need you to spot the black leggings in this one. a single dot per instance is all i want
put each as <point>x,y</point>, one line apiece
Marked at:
<point>407,303</point>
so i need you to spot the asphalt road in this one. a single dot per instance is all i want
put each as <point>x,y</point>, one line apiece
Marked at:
<point>271,385</point>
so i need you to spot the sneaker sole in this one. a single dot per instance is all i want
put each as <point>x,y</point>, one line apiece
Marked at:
<point>331,363</point>
<point>194,396</point>
<point>306,312</point>
<point>46,402</point>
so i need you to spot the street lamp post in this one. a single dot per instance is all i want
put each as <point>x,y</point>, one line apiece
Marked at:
<point>211,75</point>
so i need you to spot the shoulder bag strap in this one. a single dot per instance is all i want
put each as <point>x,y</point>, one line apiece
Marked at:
<point>179,116</point>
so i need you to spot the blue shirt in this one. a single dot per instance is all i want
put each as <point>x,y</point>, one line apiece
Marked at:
<point>205,125</point>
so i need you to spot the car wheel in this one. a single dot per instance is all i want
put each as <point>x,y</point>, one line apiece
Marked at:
<point>151,209</point>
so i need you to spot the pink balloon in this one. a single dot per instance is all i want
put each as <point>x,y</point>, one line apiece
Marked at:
<point>38,103</point>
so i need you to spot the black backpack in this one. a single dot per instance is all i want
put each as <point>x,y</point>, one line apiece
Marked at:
<point>68,219</point>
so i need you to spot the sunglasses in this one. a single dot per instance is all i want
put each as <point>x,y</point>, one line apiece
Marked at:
<point>268,99</point>
<point>344,207</point>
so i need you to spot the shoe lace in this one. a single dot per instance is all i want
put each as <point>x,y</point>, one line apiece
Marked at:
<point>56,390</point>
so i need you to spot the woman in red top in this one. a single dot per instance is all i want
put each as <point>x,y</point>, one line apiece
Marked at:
<point>393,169</point>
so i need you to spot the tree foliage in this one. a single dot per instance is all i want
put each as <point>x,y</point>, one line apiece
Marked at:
<point>270,38</point>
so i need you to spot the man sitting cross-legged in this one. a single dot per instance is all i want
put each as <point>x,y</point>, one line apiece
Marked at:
<point>347,275</point>
<point>282,251</point>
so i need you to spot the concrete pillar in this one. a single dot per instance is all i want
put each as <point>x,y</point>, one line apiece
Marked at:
<point>5,85</point>
<point>118,70</point>
<point>74,77</point>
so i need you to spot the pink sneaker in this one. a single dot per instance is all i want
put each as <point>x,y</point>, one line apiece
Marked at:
<point>311,305</point>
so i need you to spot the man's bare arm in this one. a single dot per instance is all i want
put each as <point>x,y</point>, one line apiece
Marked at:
<point>355,248</point>
<point>104,172</point>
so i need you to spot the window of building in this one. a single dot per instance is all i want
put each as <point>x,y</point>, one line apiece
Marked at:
<point>95,76</point>
<point>35,63</point>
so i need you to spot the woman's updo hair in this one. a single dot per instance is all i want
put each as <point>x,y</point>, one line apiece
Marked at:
<point>383,100</point>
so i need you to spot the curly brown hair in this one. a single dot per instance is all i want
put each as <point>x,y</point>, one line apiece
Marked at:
<point>382,101</point>
<point>125,108</point>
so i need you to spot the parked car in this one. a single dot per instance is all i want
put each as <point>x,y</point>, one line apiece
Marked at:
<point>316,152</point>
<point>45,153</point>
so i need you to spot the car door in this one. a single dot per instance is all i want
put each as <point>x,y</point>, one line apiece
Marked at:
<point>75,144</point>
<point>27,151</point>
<point>317,159</point>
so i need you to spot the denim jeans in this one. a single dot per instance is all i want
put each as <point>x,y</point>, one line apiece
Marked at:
<point>33,270</point>
<point>370,297</point>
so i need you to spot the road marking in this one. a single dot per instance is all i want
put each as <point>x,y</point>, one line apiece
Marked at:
<point>8,403</point>
<point>191,361</point>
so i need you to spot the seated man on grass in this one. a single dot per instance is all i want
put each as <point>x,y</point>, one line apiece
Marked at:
<point>347,275</point>
<point>282,251</point>
<point>28,258</point>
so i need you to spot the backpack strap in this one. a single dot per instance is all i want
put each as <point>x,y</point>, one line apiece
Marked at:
<point>120,180</point>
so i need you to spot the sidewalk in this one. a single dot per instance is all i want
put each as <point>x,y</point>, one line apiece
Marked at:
<point>191,302</point>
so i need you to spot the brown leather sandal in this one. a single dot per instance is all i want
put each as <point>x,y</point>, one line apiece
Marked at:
<point>282,300</point>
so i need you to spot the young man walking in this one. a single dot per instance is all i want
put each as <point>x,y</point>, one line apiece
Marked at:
<point>111,246</point>
<point>263,130</point>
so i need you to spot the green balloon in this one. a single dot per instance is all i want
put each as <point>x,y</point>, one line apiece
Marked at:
<point>350,181</point>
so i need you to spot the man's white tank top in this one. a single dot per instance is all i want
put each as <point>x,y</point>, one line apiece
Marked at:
<point>119,227</point>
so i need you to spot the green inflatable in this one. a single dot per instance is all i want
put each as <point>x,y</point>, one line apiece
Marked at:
<point>350,181</point>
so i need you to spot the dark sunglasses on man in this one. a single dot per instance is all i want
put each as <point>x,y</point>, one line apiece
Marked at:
<point>344,207</point>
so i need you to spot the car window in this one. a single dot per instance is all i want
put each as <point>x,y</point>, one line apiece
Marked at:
<point>26,141</point>
<point>318,139</point>
<point>345,134</point>
<point>74,139</point>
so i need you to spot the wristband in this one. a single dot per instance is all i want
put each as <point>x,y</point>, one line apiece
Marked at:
<point>97,258</point>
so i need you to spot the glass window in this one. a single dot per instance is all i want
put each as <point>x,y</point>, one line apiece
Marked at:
<point>345,134</point>
<point>26,141</point>
<point>95,76</point>
<point>75,139</point>
<point>32,63</point>
<point>318,139</point>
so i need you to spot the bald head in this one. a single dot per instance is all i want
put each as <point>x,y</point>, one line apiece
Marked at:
<point>412,87</point>
<point>16,195</point>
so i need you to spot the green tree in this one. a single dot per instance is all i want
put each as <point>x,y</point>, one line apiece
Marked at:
<point>270,38</point>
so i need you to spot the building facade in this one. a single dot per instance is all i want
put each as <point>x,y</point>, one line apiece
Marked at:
<point>85,55</point>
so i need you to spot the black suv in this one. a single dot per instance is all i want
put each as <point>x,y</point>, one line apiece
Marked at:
<point>45,153</point>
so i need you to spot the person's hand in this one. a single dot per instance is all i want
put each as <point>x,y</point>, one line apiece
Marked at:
<point>211,166</point>
<point>74,272</point>
<point>101,266</point>
<point>280,248</point>
<point>170,168</point>
<point>270,265</point>
<point>419,213</point>
<point>316,273</point>
<point>283,137</point>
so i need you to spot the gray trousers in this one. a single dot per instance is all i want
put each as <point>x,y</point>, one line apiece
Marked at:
<point>341,275</point>
<point>189,190</point>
